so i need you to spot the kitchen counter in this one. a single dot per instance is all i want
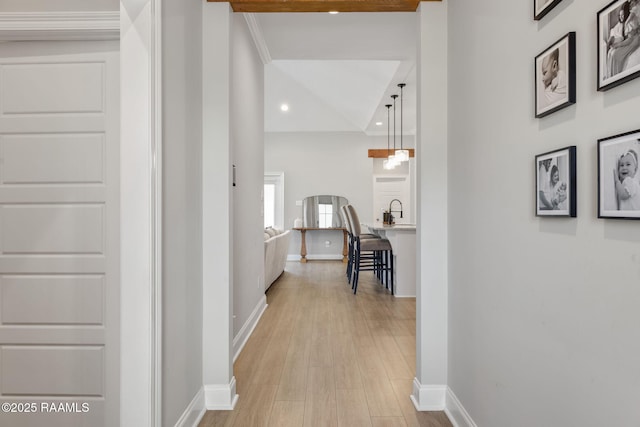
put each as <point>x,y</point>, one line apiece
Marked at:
<point>394,227</point>
<point>403,241</point>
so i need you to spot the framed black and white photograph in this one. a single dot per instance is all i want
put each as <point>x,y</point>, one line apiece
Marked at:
<point>618,43</point>
<point>556,183</point>
<point>542,7</point>
<point>618,180</point>
<point>555,76</point>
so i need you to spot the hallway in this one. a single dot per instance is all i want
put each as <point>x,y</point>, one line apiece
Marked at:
<point>321,356</point>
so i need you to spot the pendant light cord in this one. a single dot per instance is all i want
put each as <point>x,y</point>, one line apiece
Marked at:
<point>388,127</point>
<point>394,123</point>
<point>401,86</point>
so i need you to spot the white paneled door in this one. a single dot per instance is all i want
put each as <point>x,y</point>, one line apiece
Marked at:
<point>59,234</point>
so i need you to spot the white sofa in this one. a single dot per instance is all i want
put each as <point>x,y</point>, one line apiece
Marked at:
<point>276,249</point>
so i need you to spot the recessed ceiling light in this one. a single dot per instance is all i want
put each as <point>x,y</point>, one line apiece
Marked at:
<point>333,12</point>
<point>378,123</point>
<point>284,107</point>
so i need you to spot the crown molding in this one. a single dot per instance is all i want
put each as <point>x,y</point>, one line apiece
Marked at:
<point>258,37</point>
<point>25,26</point>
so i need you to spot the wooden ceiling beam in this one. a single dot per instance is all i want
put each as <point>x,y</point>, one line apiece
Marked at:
<point>383,153</point>
<point>261,6</point>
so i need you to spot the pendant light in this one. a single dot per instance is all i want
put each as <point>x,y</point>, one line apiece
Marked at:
<point>392,157</point>
<point>402,155</point>
<point>387,164</point>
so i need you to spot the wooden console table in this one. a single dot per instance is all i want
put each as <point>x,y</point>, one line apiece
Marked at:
<point>303,243</point>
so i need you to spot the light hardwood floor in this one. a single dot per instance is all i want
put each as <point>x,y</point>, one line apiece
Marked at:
<point>321,356</point>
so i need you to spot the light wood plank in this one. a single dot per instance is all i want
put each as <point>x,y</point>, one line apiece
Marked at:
<point>321,384</point>
<point>218,419</point>
<point>293,382</point>
<point>413,418</point>
<point>357,342</point>
<point>256,408</point>
<point>347,376</point>
<point>370,363</point>
<point>407,345</point>
<point>321,352</point>
<point>388,422</point>
<point>320,412</point>
<point>381,397</point>
<point>352,408</point>
<point>287,414</point>
<point>392,359</point>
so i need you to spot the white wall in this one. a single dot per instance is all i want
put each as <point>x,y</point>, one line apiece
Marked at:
<point>543,311</point>
<point>182,207</point>
<point>316,163</point>
<point>247,136</point>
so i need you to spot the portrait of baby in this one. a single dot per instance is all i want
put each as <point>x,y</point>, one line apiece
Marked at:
<point>619,178</point>
<point>556,183</point>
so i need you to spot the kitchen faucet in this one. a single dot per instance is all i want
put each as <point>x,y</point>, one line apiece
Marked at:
<point>391,216</point>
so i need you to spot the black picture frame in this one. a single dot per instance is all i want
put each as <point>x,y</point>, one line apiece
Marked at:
<point>555,76</point>
<point>542,7</point>
<point>616,155</point>
<point>555,189</point>
<point>618,51</point>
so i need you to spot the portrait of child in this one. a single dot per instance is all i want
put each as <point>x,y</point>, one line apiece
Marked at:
<point>619,178</point>
<point>556,183</point>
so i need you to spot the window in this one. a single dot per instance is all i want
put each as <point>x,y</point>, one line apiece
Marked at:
<point>325,215</point>
<point>273,198</point>
<point>269,205</point>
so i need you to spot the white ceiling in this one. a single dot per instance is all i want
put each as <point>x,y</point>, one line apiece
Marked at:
<point>336,72</point>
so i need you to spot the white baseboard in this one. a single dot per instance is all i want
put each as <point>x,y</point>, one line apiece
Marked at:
<point>458,416</point>
<point>325,257</point>
<point>194,412</point>
<point>220,397</point>
<point>428,397</point>
<point>292,257</point>
<point>240,340</point>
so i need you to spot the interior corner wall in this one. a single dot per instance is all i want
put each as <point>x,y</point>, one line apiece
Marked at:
<point>316,163</point>
<point>429,387</point>
<point>182,207</point>
<point>247,140</point>
<point>543,312</point>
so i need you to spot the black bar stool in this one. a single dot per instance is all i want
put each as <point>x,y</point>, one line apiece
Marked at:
<point>344,212</point>
<point>369,254</point>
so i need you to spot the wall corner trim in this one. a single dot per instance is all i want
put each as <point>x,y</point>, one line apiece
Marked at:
<point>428,397</point>
<point>220,397</point>
<point>25,26</point>
<point>258,37</point>
<point>457,414</point>
<point>247,329</point>
<point>195,411</point>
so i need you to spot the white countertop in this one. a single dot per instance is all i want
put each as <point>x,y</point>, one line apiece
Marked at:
<point>394,227</point>
<point>403,241</point>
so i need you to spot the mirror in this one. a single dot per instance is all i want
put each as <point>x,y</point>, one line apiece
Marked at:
<point>323,211</point>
